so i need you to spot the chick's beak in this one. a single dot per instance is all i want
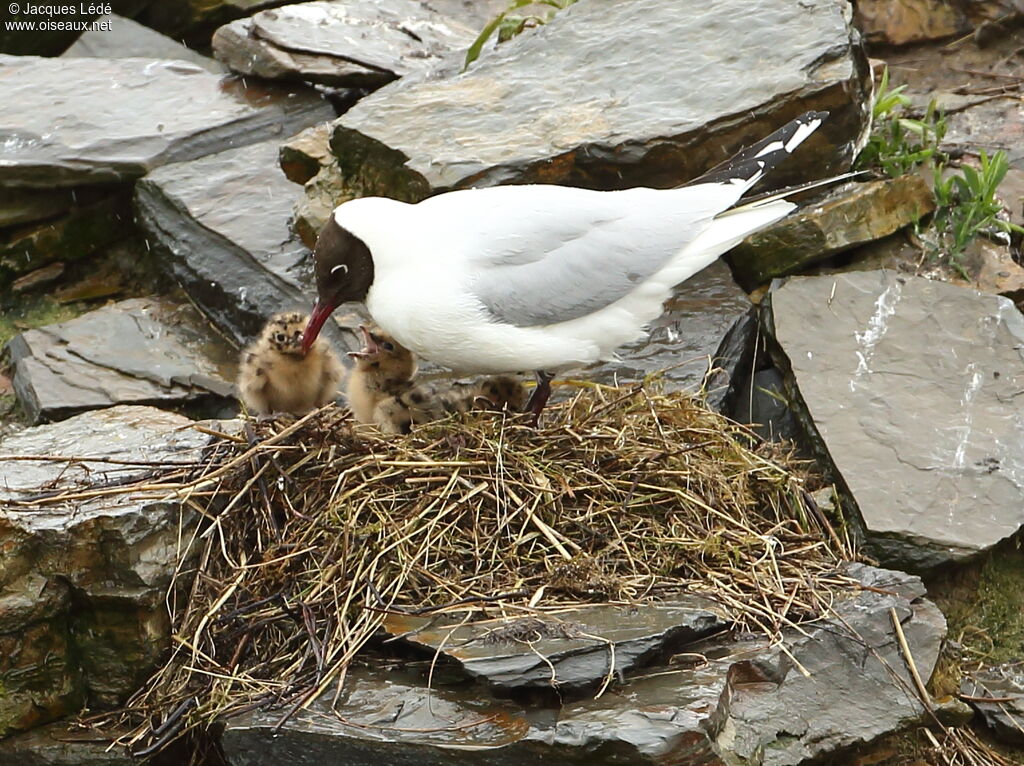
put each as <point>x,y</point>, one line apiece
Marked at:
<point>317,317</point>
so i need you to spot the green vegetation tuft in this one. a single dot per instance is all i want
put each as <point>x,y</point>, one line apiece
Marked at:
<point>509,24</point>
<point>966,204</point>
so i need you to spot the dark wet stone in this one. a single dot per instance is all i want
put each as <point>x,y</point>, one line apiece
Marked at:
<point>302,155</point>
<point>153,113</point>
<point>762,403</point>
<point>570,652</point>
<point>142,350</point>
<point>771,714</point>
<point>222,224</point>
<point>901,22</point>
<point>125,38</point>
<point>359,43</point>
<point>705,709</point>
<point>80,232</point>
<point>60,745</point>
<point>906,389</point>
<point>683,339</point>
<point>196,20</point>
<point>19,206</point>
<point>83,582</point>
<point>732,364</point>
<point>594,98</point>
<point>843,218</point>
<point>1005,684</point>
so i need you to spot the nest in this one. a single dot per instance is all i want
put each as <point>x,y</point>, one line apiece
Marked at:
<point>315,530</point>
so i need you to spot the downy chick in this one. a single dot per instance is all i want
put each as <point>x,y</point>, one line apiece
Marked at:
<point>427,402</point>
<point>383,369</point>
<point>275,376</point>
<point>382,388</point>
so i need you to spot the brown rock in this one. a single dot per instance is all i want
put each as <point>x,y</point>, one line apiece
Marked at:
<point>899,22</point>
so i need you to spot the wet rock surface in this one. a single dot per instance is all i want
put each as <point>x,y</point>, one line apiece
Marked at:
<point>907,389</point>
<point>93,221</point>
<point>58,137</point>
<point>843,218</point>
<point>222,224</point>
<point>577,649</point>
<point>126,38</point>
<point>683,340</point>
<point>60,745</point>
<point>1003,684</point>
<point>364,43</point>
<point>83,580</point>
<point>142,350</point>
<point>539,109</point>
<point>740,702</point>
<point>901,22</point>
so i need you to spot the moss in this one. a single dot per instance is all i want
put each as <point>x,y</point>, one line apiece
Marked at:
<point>29,311</point>
<point>984,605</point>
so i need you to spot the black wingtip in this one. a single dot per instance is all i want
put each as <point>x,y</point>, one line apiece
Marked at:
<point>758,159</point>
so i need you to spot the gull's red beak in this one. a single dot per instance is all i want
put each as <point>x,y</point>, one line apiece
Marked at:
<point>317,317</point>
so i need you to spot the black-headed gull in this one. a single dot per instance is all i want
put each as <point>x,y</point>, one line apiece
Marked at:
<point>537,277</point>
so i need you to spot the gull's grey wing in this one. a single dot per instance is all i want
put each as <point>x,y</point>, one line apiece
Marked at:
<point>590,252</point>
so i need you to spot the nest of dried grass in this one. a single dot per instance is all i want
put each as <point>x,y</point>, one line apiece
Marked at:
<point>314,531</point>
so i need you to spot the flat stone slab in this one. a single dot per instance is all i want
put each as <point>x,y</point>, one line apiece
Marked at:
<point>356,44</point>
<point>61,745</point>
<point>617,95</point>
<point>142,350</point>
<point>725,702</point>
<point>843,218</point>
<point>222,223</point>
<point>909,389</point>
<point>124,117</point>
<point>124,38</point>
<point>83,578</point>
<point>574,649</point>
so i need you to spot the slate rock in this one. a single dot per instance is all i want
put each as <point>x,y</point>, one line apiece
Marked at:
<point>771,714</point>
<point>1004,683</point>
<point>682,341</point>
<point>141,350</point>
<point>906,390</point>
<point>153,113</point>
<point>222,224</point>
<point>50,42</point>
<point>18,206</point>
<point>124,38</point>
<point>475,14</point>
<point>195,20</point>
<point>570,651</point>
<point>359,43</point>
<point>710,712</point>
<point>83,230</point>
<point>843,218</point>
<point>83,581</point>
<point>58,744</point>
<point>617,95</point>
<point>303,155</point>
<point>902,22</point>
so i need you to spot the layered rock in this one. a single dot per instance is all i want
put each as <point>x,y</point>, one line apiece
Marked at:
<point>84,572</point>
<point>153,113</point>
<point>360,43</point>
<point>737,702</point>
<point>906,389</point>
<point>142,350</point>
<point>615,96</point>
<point>843,218</point>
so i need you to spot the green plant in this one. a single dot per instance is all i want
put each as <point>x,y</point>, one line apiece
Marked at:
<point>899,144</point>
<point>508,24</point>
<point>967,204</point>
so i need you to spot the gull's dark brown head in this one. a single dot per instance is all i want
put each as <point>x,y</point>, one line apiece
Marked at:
<point>343,268</point>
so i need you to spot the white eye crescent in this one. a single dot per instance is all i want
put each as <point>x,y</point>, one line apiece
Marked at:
<point>340,267</point>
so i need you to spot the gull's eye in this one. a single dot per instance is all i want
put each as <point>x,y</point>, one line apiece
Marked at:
<point>341,268</point>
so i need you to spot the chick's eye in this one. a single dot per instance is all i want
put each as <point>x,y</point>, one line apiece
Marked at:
<point>280,337</point>
<point>387,346</point>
